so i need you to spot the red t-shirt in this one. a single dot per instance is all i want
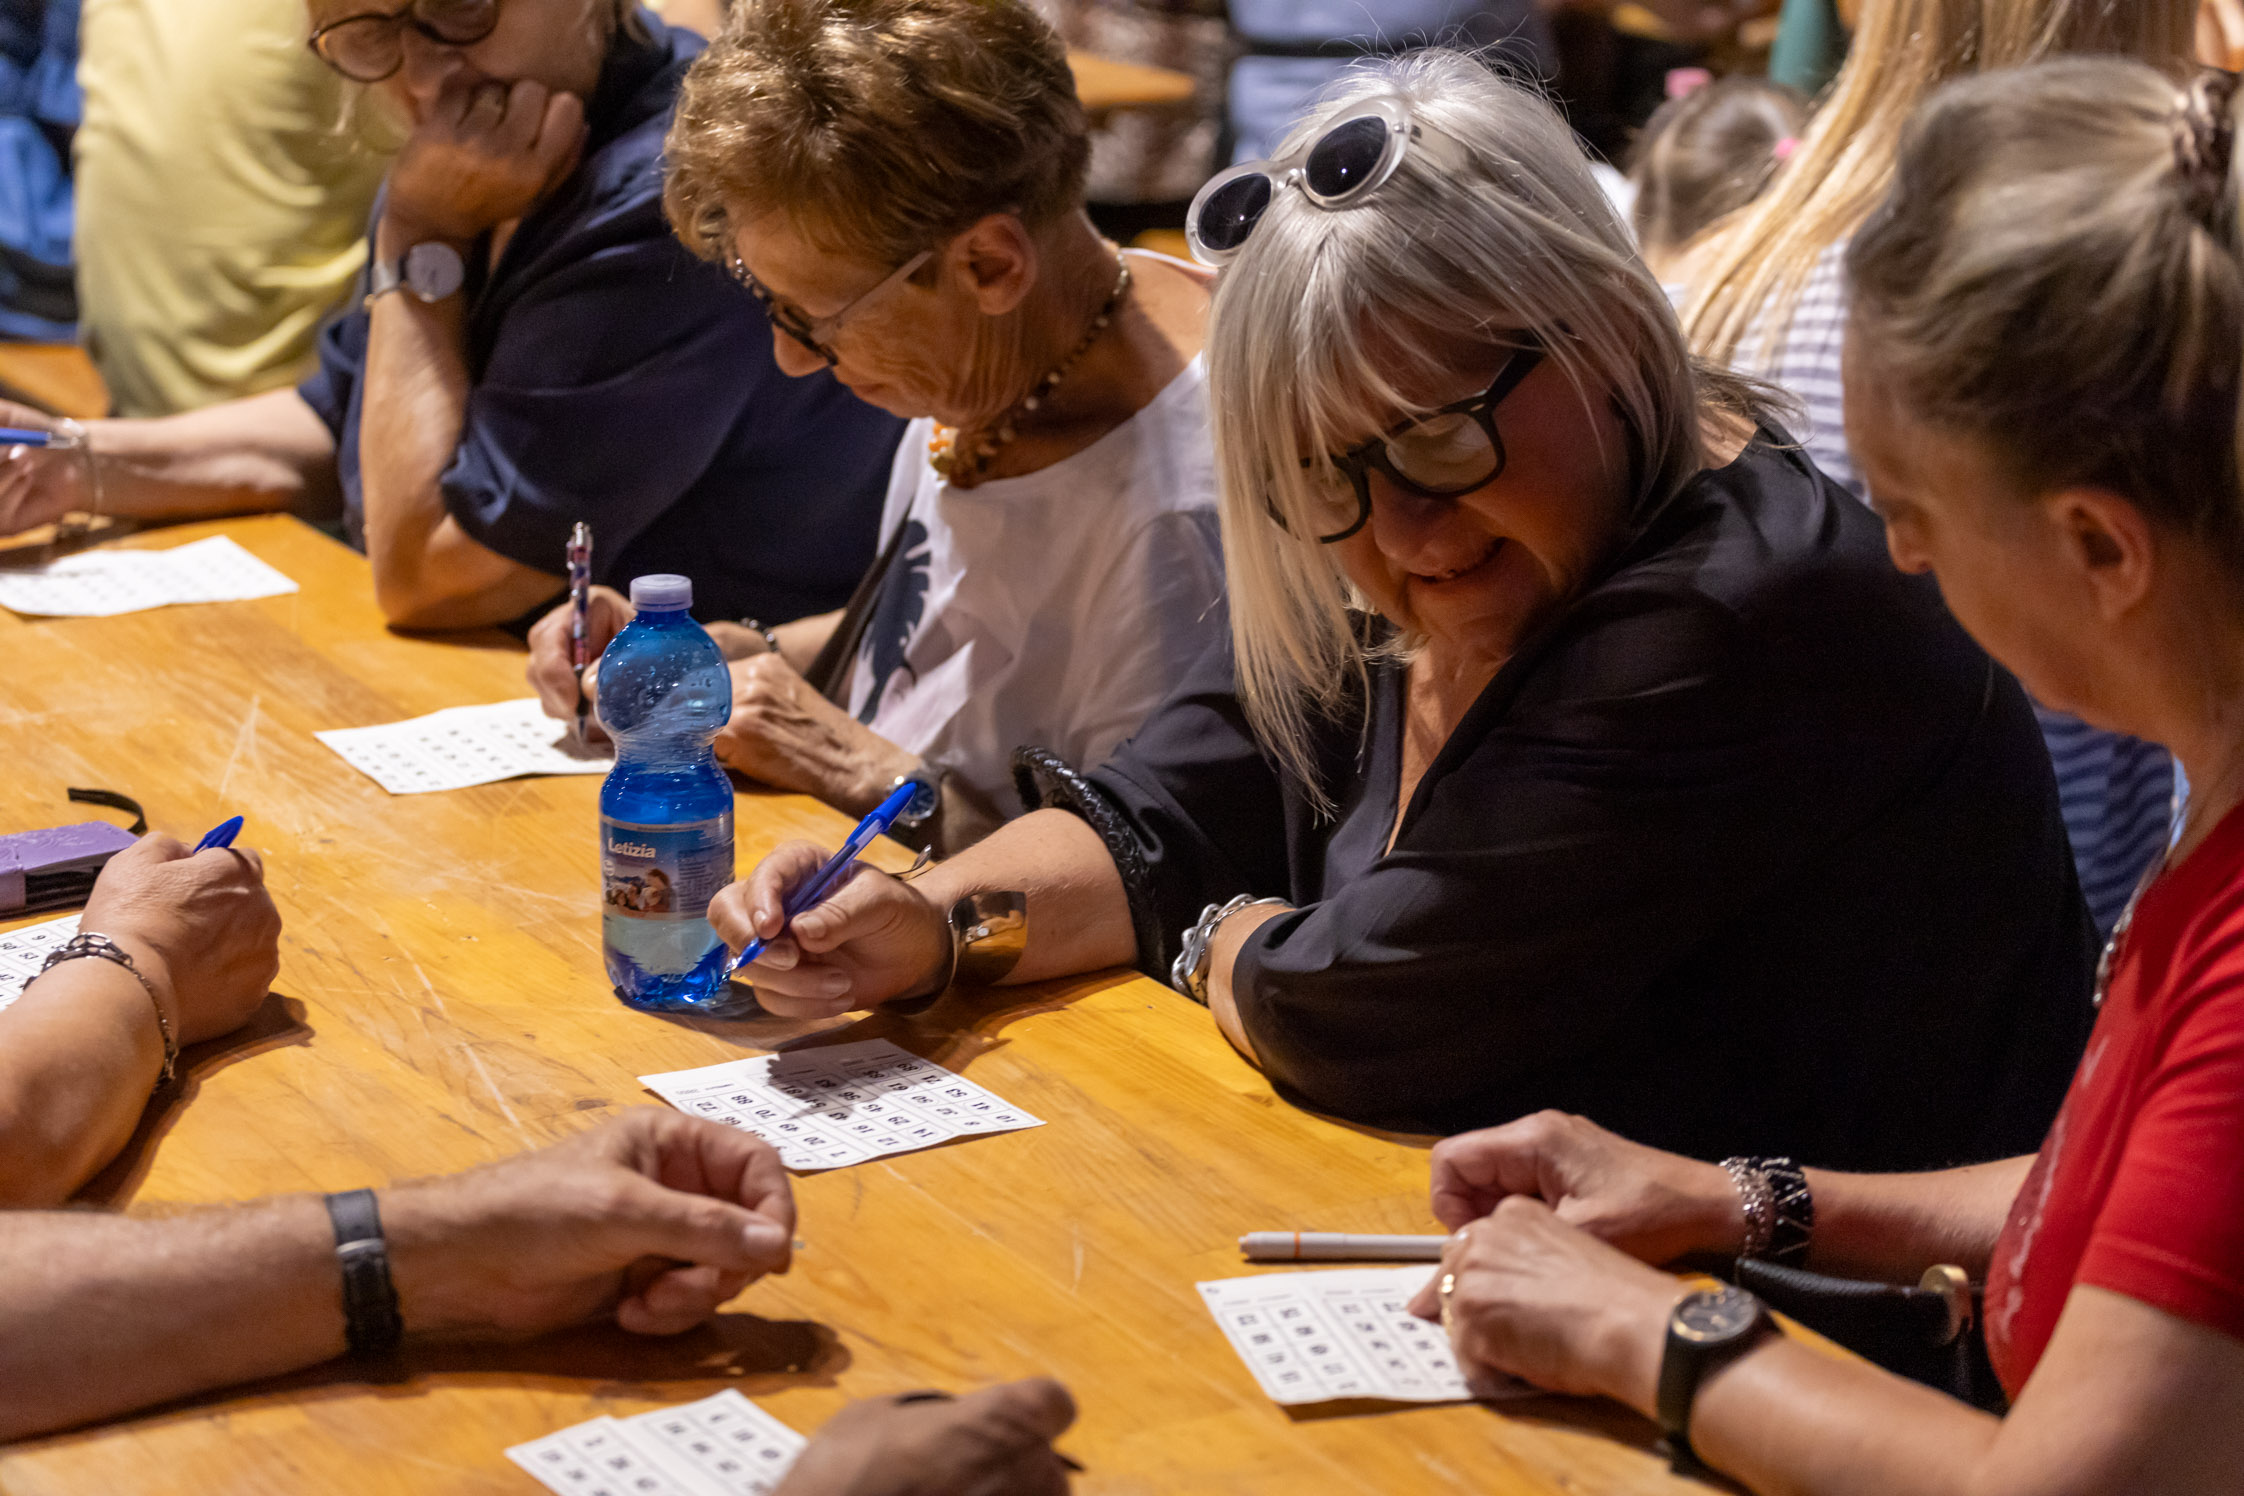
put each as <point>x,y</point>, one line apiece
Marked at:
<point>2140,1186</point>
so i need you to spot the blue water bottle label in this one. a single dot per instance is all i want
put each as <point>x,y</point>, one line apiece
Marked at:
<point>664,872</point>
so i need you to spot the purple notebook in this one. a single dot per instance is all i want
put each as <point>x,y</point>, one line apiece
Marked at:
<point>56,868</point>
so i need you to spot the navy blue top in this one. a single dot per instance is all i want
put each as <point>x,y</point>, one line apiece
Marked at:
<point>618,380</point>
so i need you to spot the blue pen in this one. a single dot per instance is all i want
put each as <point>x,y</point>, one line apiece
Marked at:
<point>837,866</point>
<point>17,436</point>
<point>220,835</point>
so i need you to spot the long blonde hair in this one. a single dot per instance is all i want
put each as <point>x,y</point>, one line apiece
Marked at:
<point>1748,272</point>
<point>1324,315</point>
<point>2058,276</point>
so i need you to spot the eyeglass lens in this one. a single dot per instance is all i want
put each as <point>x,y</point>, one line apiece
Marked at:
<point>1448,453</point>
<point>1346,158</point>
<point>370,48</point>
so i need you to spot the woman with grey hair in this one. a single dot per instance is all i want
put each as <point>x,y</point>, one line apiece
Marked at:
<point>1579,746</point>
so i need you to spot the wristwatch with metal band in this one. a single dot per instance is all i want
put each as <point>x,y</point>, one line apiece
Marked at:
<point>430,271</point>
<point>1706,1330</point>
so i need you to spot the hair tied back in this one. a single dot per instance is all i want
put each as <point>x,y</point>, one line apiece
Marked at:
<point>2204,127</point>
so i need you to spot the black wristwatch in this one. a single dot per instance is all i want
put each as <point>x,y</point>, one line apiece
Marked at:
<point>1705,1331</point>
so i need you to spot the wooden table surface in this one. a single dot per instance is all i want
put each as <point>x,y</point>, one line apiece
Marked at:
<point>441,1003</point>
<point>1105,85</point>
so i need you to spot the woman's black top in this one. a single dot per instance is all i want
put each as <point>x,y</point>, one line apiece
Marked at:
<point>1749,849</point>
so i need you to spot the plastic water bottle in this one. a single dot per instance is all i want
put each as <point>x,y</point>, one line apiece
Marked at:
<point>666,808</point>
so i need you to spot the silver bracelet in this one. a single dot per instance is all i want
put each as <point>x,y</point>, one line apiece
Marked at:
<point>1759,1200</point>
<point>771,640</point>
<point>1189,972</point>
<point>88,943</point>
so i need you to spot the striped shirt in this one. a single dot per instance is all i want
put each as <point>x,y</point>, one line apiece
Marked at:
<point>2119,795</point>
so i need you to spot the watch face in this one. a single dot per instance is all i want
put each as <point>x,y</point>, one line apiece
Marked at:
<point>434,271</point>
<point>925,797</point>
<point>1715,1316</point>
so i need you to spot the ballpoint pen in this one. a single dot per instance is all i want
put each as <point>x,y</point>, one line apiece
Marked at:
<point>220,835</point>
<point>580,598</point>
<point>823,882</point>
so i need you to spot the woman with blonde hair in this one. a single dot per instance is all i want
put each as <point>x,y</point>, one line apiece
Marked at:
<point>1582,744</point>
<point>1767,292</point>
<point>2044,369</point>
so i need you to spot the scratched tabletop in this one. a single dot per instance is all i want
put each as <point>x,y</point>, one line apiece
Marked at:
<point>441,1003</point>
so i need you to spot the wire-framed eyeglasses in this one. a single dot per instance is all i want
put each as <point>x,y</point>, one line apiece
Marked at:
<point>1438,456</point>
<point>370,46</point>
<point>817,334</point>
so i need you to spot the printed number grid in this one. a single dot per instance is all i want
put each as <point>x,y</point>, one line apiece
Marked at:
<point>721,1446</point>
<point>23,951</point>
<point>102,584</point>
<point>463,746</point>
<point>849,1104</point>
<point>1317,1337</point>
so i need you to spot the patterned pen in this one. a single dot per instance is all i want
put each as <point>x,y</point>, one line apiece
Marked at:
<point>580,597</point>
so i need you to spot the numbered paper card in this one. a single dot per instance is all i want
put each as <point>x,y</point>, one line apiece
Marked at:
<point>103,583</point>
<point>23,951</point>
<point>721,1446</point>
<point>1322,1336</point>
<point>466,745</point>
<point>847,1104</point>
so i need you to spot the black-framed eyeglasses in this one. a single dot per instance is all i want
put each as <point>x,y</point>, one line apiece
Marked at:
<point>370,46</point>
<point>1438,456</point>
<point>1347,161</point>
<point>817,334</point>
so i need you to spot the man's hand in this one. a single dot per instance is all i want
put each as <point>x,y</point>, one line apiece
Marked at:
<point>200,926</point>
<point>484,156</point>
<point>872,939</point>
<point>1654,1206</point>
<point>996,1442</point>
<point>790,737</point>
<point>551,670</point>
<point>1537,1299</point>
<point>38,485</point>
<point>656,1216</point>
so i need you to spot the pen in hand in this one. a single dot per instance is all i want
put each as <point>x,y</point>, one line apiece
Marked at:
<point>580,598</point>
<point>220,835</point>
<point>828,878</point>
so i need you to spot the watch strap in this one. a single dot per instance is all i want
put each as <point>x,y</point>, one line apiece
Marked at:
<point>1685,1365</point>
<point>371,1322</point>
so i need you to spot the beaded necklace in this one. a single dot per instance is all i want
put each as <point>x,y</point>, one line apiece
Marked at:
<point>965,469</point>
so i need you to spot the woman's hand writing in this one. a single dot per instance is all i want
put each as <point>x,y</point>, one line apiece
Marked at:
<point>552,672</point>
<point>200,926</point>
<point>874,938</point>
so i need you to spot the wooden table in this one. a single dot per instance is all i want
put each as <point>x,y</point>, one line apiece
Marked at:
<point>1105,85</point>
<point>440,1004</point>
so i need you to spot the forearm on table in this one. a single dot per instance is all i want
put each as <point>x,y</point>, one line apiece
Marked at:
<point>80,1052</point>
<point>428,572</point>
<point>1223,962</point>
<point>1078,914</point>
<point>267,452</point>
<point>1891,1227</point>
<point>101,1314</point>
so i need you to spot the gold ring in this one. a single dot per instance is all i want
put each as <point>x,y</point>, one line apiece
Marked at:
<point>1448,1287</point>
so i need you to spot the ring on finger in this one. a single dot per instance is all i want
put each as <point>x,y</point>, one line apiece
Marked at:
<point>1448,1287</point>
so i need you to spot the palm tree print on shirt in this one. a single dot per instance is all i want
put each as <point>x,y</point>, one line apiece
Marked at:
<point>896,617</point>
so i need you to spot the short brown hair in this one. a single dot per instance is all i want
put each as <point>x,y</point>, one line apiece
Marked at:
<point>880,126</point>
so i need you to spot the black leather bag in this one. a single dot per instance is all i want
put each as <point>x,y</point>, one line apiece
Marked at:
<point>1912,1332</point>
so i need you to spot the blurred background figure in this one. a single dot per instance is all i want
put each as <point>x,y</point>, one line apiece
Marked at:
<point>224,182</point>
<point>38,112</point>
<point>1709,151</point>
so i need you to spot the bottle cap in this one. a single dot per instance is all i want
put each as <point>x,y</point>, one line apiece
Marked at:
<point>662,591</point>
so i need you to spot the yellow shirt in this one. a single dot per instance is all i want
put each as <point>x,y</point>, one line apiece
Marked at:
<point>222,198</point>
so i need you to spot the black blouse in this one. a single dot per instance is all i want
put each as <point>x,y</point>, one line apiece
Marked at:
<point>1748,850</point>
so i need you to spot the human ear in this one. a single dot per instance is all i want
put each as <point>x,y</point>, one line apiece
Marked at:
<point>2111,543</point>
<point>998,262</point>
